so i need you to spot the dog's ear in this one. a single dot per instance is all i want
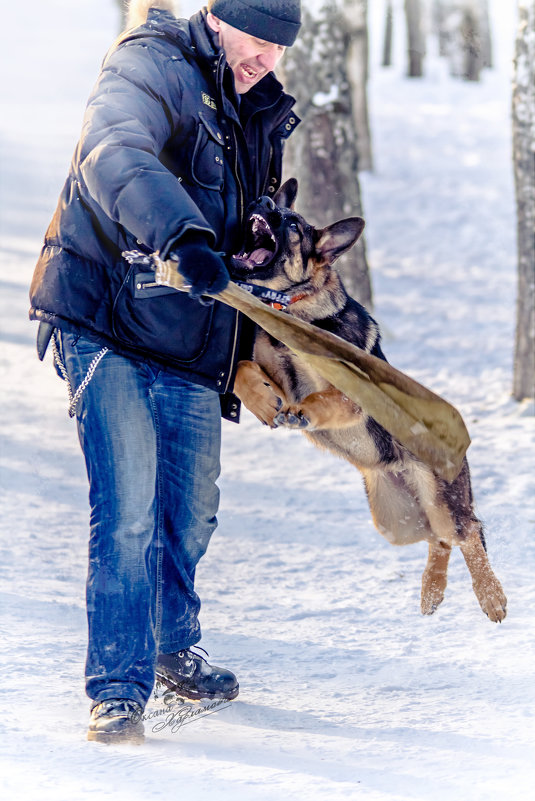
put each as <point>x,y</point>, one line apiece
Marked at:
<point>285,196</point>
<point>338,237</point>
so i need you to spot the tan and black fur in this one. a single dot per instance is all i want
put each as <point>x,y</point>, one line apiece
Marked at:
<point>409,503</point>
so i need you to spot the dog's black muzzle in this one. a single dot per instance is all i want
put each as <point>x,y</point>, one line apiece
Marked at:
<point>265,206</point>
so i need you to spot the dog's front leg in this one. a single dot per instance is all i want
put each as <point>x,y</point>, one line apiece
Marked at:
<point>326,409</point>
<point>258,392</point>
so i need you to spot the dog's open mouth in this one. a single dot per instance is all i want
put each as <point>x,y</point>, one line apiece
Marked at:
<point>259,246</point>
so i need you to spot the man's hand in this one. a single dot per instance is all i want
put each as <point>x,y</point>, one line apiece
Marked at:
<point>201,266</point>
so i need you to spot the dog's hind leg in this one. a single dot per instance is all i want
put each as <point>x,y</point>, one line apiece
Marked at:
<point>452,519</point>
<point>452,523</point>
<point>442,535</point>
<point>435,577</point>
<point>486,586</point>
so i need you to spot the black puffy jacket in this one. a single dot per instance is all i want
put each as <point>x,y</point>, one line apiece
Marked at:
<point>163,150</point>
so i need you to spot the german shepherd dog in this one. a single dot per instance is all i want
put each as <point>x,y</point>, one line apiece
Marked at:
<point>408,502</point>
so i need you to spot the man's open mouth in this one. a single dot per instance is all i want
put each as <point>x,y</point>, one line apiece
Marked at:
<point>259,246</point>
<point>248,72</point>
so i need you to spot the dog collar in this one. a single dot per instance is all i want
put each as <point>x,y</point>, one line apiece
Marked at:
<point>280,307</point>
<point>277,300</point>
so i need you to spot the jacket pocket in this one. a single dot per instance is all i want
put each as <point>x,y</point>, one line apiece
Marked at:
<point>207,166</point>
<point>160,320</point>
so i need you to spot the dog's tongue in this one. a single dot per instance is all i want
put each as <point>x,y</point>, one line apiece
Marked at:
<point>259,256</point>
<point>252,260</point>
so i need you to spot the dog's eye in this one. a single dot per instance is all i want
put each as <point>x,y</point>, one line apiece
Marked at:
<point>293,227</point>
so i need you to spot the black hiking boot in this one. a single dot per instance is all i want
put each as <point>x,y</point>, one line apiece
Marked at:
<point>116,720</point>
<point>190,676</point>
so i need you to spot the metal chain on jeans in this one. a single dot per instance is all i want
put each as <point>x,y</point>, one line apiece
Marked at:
<point>75,397</point>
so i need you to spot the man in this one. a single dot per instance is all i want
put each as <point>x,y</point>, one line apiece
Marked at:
<point>184,127</point>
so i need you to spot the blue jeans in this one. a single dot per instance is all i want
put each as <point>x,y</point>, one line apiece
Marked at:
<point>151,442</point>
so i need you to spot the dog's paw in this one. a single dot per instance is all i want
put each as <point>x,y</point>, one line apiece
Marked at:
<point>264,405</point>
<point>431,598</point>
<point>491,598</point>
<point>434,584</point>
<point>290,419</point>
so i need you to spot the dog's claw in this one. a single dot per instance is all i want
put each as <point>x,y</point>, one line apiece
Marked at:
<point>292,420</point>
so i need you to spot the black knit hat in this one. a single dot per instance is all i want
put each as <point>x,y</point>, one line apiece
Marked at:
<point>275,21</point>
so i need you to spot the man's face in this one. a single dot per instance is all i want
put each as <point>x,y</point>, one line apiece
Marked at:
<point>250,59</point>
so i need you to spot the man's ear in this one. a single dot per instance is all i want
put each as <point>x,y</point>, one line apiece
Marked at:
<point>213,22</point>
<point>285,196</point>
<point>338,237</point>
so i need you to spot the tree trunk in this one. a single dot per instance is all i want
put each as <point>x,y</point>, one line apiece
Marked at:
<point>387,42</point>
<point>322,153</point>
<point>356,28</point>
<point>485,35</point>
<point>524,165</point>
<point>464,36</point>
<point>471,46</point>
<point>415,38</point>
<point>440,26</point>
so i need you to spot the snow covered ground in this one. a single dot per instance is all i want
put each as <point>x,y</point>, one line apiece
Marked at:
<point>347,691</point>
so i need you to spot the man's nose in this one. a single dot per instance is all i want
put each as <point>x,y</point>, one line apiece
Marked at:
<point>269,57</point>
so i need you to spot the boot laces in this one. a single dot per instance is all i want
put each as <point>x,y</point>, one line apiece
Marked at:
<point>121,706</point>
<point>192,659</point>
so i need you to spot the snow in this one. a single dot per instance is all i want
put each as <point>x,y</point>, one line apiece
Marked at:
<point>347,692</point>
<point>324,98</point>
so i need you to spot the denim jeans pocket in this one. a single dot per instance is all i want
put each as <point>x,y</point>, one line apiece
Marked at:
<point>83,345</point>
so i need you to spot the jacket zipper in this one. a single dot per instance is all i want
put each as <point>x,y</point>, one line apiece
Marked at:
<point>241,199</point>
<point>236,173</point>
<point>264,186</point>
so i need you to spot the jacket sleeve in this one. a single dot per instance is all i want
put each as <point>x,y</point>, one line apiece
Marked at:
<point>129,117</point>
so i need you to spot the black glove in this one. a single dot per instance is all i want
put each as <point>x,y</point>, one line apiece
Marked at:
<point>201,266</point>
